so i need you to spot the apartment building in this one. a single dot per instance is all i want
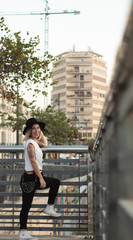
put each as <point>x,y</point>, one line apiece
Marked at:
<point>7,136</point>
<point>81,89</point>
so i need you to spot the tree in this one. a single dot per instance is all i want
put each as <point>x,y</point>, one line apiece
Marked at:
<point>20,64</point>
<point>21,68</point>
<point>90,143</point>
<point>57,130</point>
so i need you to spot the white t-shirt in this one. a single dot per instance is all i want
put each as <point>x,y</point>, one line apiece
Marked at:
<point>38,153</point>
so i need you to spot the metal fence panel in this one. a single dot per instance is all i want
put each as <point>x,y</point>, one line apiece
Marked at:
<point>72,199</point>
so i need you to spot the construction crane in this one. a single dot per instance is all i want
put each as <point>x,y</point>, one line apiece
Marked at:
<point>46,26</point>
<point>46,13</point>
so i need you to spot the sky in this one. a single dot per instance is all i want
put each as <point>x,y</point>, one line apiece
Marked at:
<point>99,26</point>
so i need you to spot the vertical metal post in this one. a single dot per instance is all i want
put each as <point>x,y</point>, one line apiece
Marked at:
<point>13,188</point>
<point>17,116</point>
<point>87,164</point>
<point>79,191</point>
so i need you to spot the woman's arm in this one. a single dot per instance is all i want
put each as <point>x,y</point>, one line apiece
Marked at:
<point>32,157</point>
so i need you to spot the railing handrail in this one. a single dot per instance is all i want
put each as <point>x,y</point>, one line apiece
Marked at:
<point>72,199</point>
<point>48,149</point>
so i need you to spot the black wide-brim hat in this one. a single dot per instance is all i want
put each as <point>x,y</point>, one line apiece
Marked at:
<point>30,122</point>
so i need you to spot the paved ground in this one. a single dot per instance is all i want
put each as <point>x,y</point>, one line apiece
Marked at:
<point>15,237</point>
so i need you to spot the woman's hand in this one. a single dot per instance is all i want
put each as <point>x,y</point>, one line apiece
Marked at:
<point>42,142</point>
<point>42,183</point>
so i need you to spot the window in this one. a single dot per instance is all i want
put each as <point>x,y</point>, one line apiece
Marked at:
<point>89,134</point>
<point>82,69</point>
<point>81,94</point>
<point>76,84</point>
<point>81,118</point>
<point>81,85</point>
<point>75,76</point>
<point>102,95</point>
<point>81,109</point>
<point>77,110</point>
<point>84,134</point>
<point>76,69</point>
<point>76,102</point>
<point>81,77</point>
<point>82,60</point>
<point>89,94</point>
<point>76,94</point>
<point>81,102</point>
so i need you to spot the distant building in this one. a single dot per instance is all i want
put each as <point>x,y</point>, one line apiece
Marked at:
<point>7,136</point>
<point>81,89</point>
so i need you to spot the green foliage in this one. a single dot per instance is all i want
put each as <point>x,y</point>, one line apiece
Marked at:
<point>80,234</point>
<point>57,129</point>
<point>21,70</point>
<point>90,143</point>
<point>20,64</point>
<point>17,119</point>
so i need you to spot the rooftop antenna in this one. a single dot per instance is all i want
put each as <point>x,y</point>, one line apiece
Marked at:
<point>74,48</point>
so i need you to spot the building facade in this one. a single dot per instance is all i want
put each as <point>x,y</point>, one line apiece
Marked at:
<point>7,136</point>
<point>81,89</point>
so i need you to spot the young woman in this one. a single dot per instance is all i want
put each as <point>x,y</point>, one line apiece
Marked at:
<point>34,139</point>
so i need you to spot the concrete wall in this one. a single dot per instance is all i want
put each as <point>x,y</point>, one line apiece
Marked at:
<point>113,151</point>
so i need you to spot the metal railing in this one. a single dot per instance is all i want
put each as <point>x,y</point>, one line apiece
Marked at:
<point>80,63</point>
<point>72,199</point>
<point>113,152</point>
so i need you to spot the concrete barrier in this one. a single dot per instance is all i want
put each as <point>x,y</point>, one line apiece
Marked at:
<point>113,151</point>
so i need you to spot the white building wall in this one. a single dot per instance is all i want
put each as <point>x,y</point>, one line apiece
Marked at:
<point>84,97</point>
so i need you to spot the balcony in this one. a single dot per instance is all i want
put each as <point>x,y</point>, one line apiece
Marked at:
<point>77,80</point>
<point>79,71</point>
<point>78,87</point>
<point>73,87</point>
<point>72,200</point>
<point>75,63</point>
<point>78,104</point>
<point>80,95</point>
